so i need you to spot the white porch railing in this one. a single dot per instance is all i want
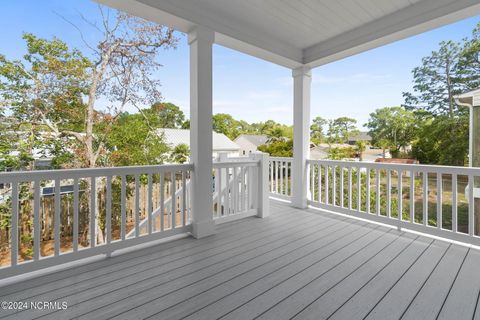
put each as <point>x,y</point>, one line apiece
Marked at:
<point>53,217</point>
<point>437,200</point>
<point>236,187</point>
<point>280,172</point>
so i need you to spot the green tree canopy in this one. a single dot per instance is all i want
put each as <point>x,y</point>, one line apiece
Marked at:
<point>165,115</point>
<point>341,129</point>
<point>317,134</point>
<point>180,153</point>
<point>393,125</point>
<point>437,80</point>
<point>226,124</point>
<point>134,143</point>
<point>279,148</point>
<point>56,89</point>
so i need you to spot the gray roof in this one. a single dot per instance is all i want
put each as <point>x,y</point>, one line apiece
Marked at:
<point>174,137</point>
<point>255,139</point>
<point>362,136</point>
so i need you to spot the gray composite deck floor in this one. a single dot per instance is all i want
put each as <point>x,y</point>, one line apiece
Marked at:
<point>296,264</point>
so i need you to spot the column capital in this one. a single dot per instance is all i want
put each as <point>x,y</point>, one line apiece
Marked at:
<point>201,32</point>
<point>302,71</point>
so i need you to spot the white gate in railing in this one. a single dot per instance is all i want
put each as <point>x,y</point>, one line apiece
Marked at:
<point>437,200</point>
<point>280,172</point>
<point>237,187</point>
<point>53,217</point>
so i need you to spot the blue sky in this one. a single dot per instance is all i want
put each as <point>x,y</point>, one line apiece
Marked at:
<point>246,87</point>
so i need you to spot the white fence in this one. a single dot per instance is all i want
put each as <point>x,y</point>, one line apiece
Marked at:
<point>238,187</point>
<point>438,200</point>
<point>280,172</point>
<point>88,212</point>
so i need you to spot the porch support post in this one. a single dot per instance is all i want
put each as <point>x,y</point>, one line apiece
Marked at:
<point>302,79</point>
<point>201,40</point>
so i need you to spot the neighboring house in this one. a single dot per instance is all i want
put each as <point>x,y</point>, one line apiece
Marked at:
<point>361,136</point>
<point>321,150</point>
<point>221,143</point>
<point>250,142</point>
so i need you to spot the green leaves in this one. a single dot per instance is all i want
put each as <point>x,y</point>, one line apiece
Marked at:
<point>341,129</point>
<point>392,127</point>
<point>279,148</point>
<point>180,153</point>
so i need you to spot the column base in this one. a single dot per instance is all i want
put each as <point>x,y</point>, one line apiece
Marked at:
<point>203,229</point>
<point>299,204</point>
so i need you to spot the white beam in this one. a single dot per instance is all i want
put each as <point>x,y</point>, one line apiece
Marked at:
<point>420,17</point>
<point>302,79</point>
<point>244,38</point>
<point>201,40</point>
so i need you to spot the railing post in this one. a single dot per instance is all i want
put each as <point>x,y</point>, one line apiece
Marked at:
<point>262,183</point>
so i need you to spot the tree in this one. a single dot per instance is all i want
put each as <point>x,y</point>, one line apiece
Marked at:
<point>392,126</point>
<point>341,129</point>
<point>280,148</point>
<point>442,140</point>
<point>275,134</point>
<point>450,70</point>
<point>165,115</point>
<point>437,80</point>
<point>58,89</point>
<point>341,153</point>
<point>469,62</point>
<point>134,143</point>
<point>180,153</point>
<point>72,100</point>
<point>316,129</point>
<point>361,146</point>
<point>226,124</point>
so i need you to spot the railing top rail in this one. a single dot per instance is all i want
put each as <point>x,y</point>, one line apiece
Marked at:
<point>229,164</point>
<point>403,167</point>
<point>281,158</point>
<point>95,172</point>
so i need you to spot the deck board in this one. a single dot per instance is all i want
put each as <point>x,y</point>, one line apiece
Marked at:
<point>462,299</point>
<point>397,299</point>
<point>300,264</point>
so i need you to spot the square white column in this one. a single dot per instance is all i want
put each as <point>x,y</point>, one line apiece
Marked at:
<point>201,41</point>
<point>302,79</point>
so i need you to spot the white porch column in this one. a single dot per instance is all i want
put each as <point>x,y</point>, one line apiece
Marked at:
<point>201,40</point>
<point>302,79</point>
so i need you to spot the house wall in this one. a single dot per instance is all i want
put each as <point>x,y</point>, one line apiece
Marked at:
<point>230,153</point>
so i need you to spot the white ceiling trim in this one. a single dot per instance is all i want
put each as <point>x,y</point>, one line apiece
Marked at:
<point>414,19</point>
<point>420,17</point>
<point>185,19</point>
<point>242,33</point>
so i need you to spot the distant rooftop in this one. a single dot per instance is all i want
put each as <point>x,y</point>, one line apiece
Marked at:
<point>362,136</point>
<point>174,137</point>
<point>256,139</point>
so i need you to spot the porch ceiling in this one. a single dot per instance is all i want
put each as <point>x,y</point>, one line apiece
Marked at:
<point>312,32</point>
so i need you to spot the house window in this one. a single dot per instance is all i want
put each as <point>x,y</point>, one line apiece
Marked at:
<point>243,152</point>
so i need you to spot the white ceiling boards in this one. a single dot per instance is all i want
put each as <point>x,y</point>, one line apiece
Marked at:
<point>312,32</point>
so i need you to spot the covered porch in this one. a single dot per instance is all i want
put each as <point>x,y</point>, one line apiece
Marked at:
<point>335,240</point>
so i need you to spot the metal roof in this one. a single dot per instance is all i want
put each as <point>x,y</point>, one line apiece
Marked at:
<point>255,139</point>
<point>174,137</point>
